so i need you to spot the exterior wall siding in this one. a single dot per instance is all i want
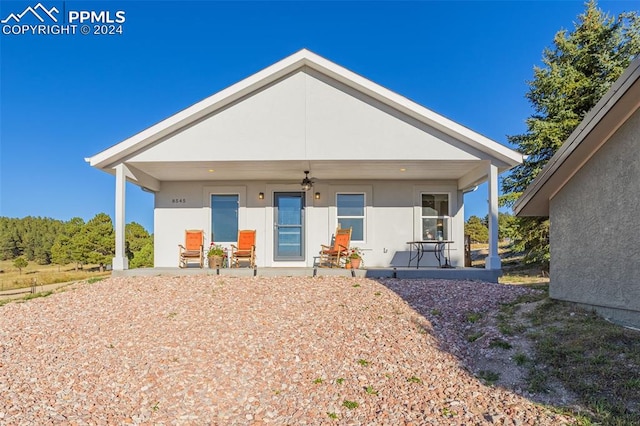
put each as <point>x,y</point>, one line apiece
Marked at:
<point>392,218</point>
<point>308,117</point>
<point>595,236</point>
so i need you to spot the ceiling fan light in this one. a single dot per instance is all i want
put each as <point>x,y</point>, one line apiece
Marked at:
<point>306,183</point>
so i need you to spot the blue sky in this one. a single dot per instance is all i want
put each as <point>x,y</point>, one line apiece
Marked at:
<point>67,97</point>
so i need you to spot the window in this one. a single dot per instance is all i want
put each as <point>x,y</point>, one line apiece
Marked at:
<point>224,218</point>
<point>351,214</point>
<point>435,216</point>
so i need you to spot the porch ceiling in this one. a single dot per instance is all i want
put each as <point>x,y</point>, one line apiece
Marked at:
<point>320,170</point>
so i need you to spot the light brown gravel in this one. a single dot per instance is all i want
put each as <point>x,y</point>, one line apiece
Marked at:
<point>251,351</point>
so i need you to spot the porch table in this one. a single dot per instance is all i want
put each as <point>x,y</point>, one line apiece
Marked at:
<point>436,247</point>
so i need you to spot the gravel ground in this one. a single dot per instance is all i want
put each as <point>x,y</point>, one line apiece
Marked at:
<point>220,350</point>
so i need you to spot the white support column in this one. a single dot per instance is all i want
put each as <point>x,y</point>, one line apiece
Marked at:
<point>493,259</point>
<point>120,261</point>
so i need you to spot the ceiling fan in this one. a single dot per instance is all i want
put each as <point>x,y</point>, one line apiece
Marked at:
<point>307,183</point>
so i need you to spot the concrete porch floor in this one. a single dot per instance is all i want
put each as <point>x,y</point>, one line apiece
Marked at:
<point>476,274</point>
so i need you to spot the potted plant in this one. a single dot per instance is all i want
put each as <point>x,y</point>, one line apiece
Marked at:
<point>355,258</point>
<point>216,256</point>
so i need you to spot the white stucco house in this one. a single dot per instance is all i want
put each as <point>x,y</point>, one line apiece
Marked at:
<point>590,190</point>
<point>389,168</point>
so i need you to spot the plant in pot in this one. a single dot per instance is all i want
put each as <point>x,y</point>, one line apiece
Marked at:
<point>216,256</point>
<point>355,258</point>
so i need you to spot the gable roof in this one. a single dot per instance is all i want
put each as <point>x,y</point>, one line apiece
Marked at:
<point>116,154</point>
<point>597,127</point>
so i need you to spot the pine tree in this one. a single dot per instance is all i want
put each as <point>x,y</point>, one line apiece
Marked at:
<point>577,71</point>
<point>477,230</point>
<point>97,240</point>
<point>144,257</point>
<point>136,237</point>
<point>62,248</point>
<point>139,246</point>
<point>576,74</point>
<point>9,239</point>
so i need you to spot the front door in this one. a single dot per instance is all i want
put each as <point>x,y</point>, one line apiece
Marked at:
<point>288,225</point>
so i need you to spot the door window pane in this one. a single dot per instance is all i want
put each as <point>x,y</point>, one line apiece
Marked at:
<point>289,208</point>
<point>224,218</point>
<point>290,242</point>
<point>351,214</point>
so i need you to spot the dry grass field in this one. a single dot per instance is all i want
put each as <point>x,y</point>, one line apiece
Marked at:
<point>11,278</point>
<point>514,271</point>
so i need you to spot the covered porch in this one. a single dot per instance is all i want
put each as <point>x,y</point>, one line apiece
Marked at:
<point>390,215</point>
<point>471,274</point>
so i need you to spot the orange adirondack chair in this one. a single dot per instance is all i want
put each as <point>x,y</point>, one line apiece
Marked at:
<point>333,255</point>
<point>193,249</point>
<point>245,251</point>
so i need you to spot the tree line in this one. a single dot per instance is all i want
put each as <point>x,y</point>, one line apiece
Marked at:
<point>48,241</point>
<point>478,228</point>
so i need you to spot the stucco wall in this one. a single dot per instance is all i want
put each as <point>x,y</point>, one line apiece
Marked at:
<point>307,116</point>
<point>392,217</point>
<point>595,231</point>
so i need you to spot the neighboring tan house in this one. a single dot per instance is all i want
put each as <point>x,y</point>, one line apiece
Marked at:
<point>389,168</point>
<point>590,189</point>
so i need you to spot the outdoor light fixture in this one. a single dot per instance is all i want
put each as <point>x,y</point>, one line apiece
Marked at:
<point>317,195</point>
<point>306,182</point>
<point>261,196</point>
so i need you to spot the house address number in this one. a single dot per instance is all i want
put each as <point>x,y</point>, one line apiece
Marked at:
<point>178,200</point>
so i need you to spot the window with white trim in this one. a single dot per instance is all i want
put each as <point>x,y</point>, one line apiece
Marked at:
<point>435,216</point>
<point>351,214</point>
<point>224,217</point>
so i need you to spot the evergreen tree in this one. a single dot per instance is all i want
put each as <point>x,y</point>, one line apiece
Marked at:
<point>62,248</point>
<point>9,239</point>
<point>577,71</point>
<point>136,238</point>
<point>96,242</point>
<point>477,230</point>
<point>139,245</point>
<point>506,226</point>
<point>61,251</point>
<point>144,257</point>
